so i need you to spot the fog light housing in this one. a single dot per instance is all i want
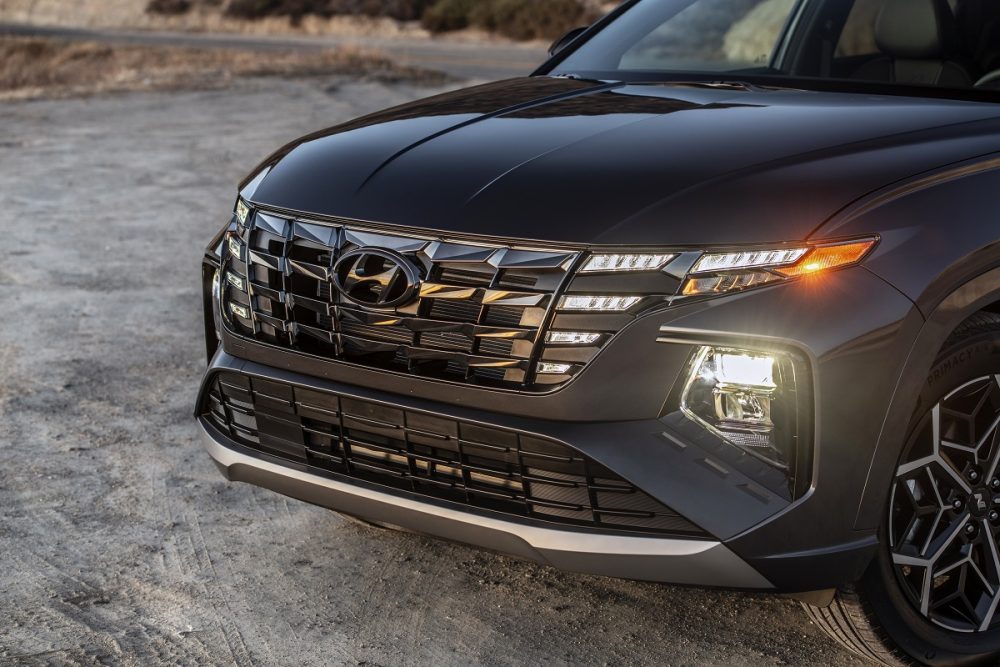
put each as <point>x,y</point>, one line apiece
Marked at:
<point>751,399</point>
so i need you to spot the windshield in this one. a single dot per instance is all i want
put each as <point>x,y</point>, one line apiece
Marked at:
<point>943,44</point>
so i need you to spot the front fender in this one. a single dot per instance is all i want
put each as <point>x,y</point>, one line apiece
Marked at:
<point>941,248</point>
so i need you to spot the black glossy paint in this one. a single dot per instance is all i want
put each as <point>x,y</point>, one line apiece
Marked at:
<point>572,161</point>
<point>692,164</point>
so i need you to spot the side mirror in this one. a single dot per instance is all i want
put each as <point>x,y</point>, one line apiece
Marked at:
<point>566,40</point>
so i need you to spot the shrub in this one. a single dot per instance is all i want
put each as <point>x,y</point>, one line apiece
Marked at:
<point>532,19</point>
<point>401,10</point>
<point>517,19</point>
<point>447,15</point>
<point>176,7</point>
<point>170,7</point>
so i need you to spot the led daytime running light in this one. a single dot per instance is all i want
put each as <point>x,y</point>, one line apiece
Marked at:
<point>572,338</point>
<point>618,263</point>
<point>242,211</point>
<point>748,260</point>
<point>235,281</point>
<point>599,303</point>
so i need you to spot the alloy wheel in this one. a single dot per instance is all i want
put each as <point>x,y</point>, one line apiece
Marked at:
<point>944,519</point>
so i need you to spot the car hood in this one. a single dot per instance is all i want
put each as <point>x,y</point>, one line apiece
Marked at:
<point>571,161</point>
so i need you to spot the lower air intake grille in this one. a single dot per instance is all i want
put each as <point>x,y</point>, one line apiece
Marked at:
<point>488,468</point>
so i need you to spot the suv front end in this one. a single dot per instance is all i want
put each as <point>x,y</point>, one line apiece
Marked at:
<point>612,411</point>
<point>712,298</point>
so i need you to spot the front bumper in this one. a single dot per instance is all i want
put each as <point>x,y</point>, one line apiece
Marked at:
<point>857,332</point>
<point>696,562</point>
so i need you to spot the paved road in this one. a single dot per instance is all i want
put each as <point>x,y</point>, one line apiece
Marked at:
<point>459,59</point>
<point>120,543</point>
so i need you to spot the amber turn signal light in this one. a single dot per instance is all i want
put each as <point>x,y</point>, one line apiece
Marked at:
<point>724,273</point>
<point>823,258</point>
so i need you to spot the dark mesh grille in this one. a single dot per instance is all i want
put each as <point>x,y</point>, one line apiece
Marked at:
<point>484,467</point>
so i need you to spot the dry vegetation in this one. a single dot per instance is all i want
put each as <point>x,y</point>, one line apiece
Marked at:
<point>202,17</point>
<point>31,67</point>
<point>515,19</point>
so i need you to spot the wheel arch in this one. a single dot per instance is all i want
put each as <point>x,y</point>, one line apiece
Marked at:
<point>938,248</point>
<point>979,294</point>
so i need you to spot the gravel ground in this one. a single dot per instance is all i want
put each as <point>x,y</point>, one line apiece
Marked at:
<point>119,541</point>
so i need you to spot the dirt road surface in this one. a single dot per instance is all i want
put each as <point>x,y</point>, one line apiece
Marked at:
<point>119,541</point>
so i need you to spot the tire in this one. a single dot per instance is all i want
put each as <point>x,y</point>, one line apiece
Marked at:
<point>909,606</point>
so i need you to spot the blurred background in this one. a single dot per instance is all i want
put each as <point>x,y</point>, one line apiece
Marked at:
<point>55,47</point>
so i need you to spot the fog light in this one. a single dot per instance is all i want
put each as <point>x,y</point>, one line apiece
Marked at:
<point>748,398</point>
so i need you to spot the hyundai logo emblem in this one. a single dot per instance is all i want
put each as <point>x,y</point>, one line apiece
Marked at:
<point>376,278</point>
<point>980,501</point>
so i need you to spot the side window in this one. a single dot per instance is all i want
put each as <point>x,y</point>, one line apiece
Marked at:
<point>715,35</point>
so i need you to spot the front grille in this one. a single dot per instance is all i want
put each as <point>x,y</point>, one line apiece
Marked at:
<point>477,319</point>
<point>437,457</point>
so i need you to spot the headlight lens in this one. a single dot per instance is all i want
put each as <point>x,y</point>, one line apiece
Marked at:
<point>618,263</point>
<point>598,303</point>
<point>234,247</point>
<point>242,211</point>
<point>553,369</point>
<point>235,281</point>
<point>748,260</point>
<point>720,273</point>
<point>571,338</point>
<point>749,398</point>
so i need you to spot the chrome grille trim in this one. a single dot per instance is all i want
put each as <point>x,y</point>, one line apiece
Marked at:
<point>496,293</point>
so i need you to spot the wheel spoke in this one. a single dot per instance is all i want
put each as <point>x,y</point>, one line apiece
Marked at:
<point>933,531</point>
<point>994,437</point>
<point>943,546</point>
<point>992,543</point>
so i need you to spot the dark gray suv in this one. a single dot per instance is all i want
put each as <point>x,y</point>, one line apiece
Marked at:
<point>712,298</point>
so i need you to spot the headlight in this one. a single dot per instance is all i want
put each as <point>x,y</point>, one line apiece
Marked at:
<point>618,263</point>
<point>750,399</point>
<point>719,273</point>
<point>572,338</point>
<point>242,211</point>
<point>235,281</point>
<point>553,369</point>
<point>598,303</point>
<point>235,249</point>
<point>748,260</point>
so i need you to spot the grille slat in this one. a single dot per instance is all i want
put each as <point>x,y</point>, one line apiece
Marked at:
<point>430,455</point>
<point>474,302</point>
